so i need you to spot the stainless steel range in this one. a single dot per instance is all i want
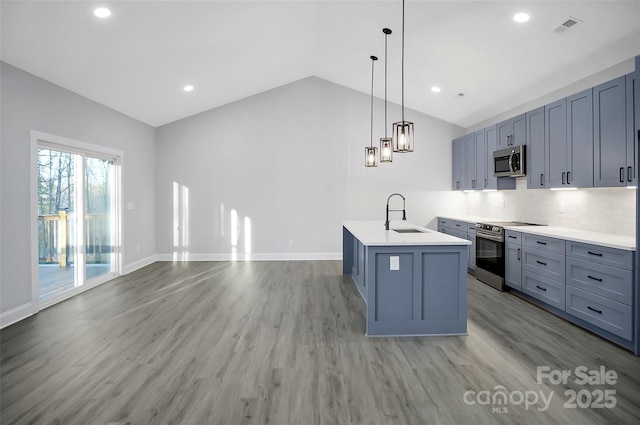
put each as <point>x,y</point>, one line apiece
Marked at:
<point>490,252</point>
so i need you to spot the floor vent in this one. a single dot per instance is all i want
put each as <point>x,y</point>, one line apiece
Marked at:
<point>567,24</point>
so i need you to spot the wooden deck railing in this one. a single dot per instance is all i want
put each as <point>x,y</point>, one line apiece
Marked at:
<point>54,238</point>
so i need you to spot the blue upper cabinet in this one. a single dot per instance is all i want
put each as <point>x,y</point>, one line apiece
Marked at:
<point>458,163</point>
<point>580,139</point>
<point>511,132</point>
<point>491,141</point>
<point>633,127</point>
<point>470,163</point>
<point>555,144</point>
<point>535,148</point>
<point>610,133</point>
<point>480,158</point>
<point>568,142</point>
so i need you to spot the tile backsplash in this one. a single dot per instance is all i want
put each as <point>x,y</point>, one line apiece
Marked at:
<point>609,210</point>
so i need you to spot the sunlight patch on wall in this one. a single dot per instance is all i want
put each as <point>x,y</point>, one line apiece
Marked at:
<point>180,222</point>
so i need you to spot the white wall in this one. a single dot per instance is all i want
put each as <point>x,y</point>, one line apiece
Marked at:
<point>292,160</point>
<point>609,210</point>
<point>30,103</point>
<point>605,75</point>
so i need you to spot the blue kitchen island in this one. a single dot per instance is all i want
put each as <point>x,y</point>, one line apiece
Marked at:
<point>413,280</point>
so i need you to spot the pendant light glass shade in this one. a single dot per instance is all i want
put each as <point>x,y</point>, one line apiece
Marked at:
<point>371,153</point>
<point>386,149</point>
<point>402,130</point>
<point>386,144</point>
<point>370,157</point>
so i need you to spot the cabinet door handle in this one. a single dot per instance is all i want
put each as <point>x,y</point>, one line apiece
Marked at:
<point>621,174</point>
<point>594,309</point>
<point>485,182</point>
<point>541,288</point>
<point>541,179</point>
<point>540,262</point>
<point>597,254</point>
<point>513,237</point>
<point>629,174</point>
<point>568,174</point>
<point>594,278</point>
<point>541,243</point>
<point>563,173</point>
<point>518,254</point>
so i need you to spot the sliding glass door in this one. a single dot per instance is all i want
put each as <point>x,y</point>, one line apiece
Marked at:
<point>76,217</point>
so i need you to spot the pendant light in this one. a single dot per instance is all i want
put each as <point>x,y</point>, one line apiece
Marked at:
<point>386,146</point>
<point>371,153</point>
<point>403,130</point>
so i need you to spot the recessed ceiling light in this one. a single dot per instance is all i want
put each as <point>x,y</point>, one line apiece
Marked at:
<point>102,12</point>
<point>435,89</point>
<point>521,17</point>
<point>188,87</point>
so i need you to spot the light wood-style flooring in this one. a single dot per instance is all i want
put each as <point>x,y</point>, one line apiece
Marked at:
<point>284,343</point>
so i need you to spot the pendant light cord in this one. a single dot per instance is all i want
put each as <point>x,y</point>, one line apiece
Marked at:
<point>403,60</point>
<point>373,61</point>
<point>386,37</point>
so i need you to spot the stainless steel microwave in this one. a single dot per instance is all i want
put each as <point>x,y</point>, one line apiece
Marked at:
<point>509,162</point>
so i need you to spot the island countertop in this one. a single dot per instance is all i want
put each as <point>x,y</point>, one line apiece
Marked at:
<point>373,233</point>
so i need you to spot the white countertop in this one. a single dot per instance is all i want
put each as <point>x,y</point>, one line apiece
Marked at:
<point>610,240</point>
<point>373,233</point>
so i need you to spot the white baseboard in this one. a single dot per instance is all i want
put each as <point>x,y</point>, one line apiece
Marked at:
<point>131,267</point>
<point>280,256</point>
<point>15,315</point>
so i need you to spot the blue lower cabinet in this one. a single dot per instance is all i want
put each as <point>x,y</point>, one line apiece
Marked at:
<point>612,316</point>
<point>610,282</point>
<point>513,266</point>
<point>544,263</point>
<point>544,289</point>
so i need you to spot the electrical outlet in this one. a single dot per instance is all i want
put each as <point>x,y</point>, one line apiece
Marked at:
<point>394,262</point>
<point>291,242</point>
<point>138,248</point>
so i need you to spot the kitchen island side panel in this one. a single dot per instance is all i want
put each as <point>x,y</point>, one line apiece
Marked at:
<point>427,295</point>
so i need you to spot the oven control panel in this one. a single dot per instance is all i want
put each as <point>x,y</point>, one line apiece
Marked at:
<point>490,228</point>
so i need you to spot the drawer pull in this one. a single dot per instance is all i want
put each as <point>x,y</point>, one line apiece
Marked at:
<point>513,237</point>
<point>594,278</point>
<point>541,288</point>
<point>540,262</point>
<point>621,174</point>
<point>457,225</point>
<point>541,243</point>
<point>593,309</point>
<point>598,254</point>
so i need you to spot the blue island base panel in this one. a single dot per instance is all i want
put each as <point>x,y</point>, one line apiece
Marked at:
<point>416,291</point>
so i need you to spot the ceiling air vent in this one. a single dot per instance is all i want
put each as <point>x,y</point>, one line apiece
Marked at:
<point>569,23</point>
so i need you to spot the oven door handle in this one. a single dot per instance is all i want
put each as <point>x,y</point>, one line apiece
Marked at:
<point>489,237</point>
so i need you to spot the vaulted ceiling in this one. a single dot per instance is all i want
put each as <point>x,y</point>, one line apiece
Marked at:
<point>138,60</point>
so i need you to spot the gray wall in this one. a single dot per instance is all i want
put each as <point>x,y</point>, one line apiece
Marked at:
<point>30,103</point>
<point>292,160</point>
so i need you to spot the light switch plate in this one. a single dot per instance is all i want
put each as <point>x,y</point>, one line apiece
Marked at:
<point>394,262</point>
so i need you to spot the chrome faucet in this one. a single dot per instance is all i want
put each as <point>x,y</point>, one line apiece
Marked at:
<point>404,212</point>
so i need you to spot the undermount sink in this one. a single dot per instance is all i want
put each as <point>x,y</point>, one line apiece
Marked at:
<point>408,231</point>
